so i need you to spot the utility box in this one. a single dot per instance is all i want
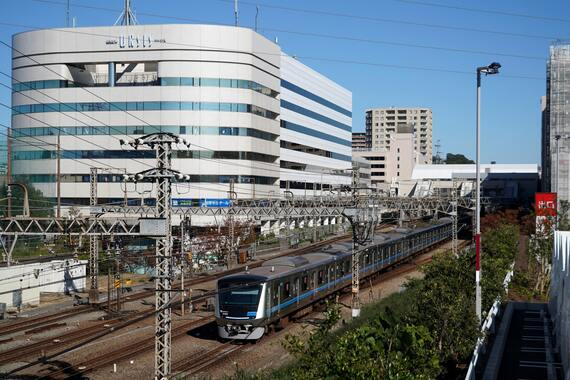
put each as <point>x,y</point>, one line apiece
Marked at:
<point>153,227</point>
<point>242,256</point>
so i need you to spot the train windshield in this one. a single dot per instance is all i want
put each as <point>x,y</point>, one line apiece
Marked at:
<point>238,294</point>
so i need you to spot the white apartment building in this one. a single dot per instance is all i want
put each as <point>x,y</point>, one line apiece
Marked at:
<point>381,124</point>
<point>252,114</point>
<point>392,168</point>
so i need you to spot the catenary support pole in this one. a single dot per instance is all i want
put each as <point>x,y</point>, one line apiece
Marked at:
<point>162,176</point>
<point>93,245</point>
<point>478,204</point>
<point>355,256</point>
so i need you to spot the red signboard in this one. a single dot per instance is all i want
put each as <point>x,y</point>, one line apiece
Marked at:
<point>545,204</point>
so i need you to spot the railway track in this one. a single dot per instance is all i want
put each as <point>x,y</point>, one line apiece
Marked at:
<point>44,346</point>
<point>134,348</point>
<point>143,345</point>
<point>32,322</point>
<point>24,324</point>
<point>195,364</point>
<point>198,363</point>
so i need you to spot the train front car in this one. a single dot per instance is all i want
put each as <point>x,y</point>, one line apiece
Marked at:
<point>239,306</point>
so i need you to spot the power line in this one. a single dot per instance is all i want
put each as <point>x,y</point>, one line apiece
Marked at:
<point>66,114</point>
<point>384,20</point>
<point>347,38</point>
<point>51,126</point>
<point>118,109</point>
<point>408,45</point>
<point>486,11</point>
<point>314,58</point>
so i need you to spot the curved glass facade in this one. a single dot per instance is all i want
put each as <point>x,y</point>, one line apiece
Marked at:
<point>143,130</point>
<point>140,154</point>
<point>163,81</point>
<point>144,106</point>
<point>84,178</point>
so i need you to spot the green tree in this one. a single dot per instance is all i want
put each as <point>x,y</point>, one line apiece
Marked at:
<point>443,301</point>
<point>40,206</point>
<point>451,159</point>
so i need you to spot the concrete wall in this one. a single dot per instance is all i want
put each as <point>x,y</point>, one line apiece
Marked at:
<point>22,284</point>
<point>559,303</point>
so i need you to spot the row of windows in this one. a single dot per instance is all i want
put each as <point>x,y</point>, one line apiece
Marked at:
<point>218,82</point>
<point>296,185</point>
<point>144,106</point>
<point>144,130</point>
<point>40,85</point>
<point>303,167</point>
<point>315,115</point>
<point>316,98</point>
<point>314,133</point>
<point>140,154</point>
<point>315,151</point>
<point>84,178</point>
<point>166,81</point>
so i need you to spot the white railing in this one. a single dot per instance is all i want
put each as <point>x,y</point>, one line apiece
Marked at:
<point>103,78</point>
<point>487,326</point>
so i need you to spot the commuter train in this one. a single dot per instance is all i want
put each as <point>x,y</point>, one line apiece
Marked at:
<point>249,302</point>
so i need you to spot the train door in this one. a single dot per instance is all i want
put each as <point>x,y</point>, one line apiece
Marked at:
<point>279,298</point>
<point>305,283</point>
<point>297,289</point>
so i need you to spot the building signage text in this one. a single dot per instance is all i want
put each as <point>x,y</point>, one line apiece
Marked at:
<point>134,41</point>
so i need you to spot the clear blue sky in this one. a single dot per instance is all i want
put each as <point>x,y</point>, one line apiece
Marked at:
<point>380,74</point>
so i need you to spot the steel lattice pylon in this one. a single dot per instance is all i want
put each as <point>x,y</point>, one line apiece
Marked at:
<point>93,245</point>
<point>454,216</point>
<point>162,176</point>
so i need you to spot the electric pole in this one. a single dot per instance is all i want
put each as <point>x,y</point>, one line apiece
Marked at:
<point>355,255</point>
<point>93,245</point>
<point>163,176</point>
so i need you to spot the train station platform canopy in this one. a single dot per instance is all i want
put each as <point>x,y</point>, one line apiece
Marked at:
<point>467,171</point>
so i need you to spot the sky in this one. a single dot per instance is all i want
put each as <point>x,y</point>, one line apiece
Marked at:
<point>402,53</point>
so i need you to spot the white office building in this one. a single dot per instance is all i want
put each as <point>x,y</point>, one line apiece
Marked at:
<point>252,114</point>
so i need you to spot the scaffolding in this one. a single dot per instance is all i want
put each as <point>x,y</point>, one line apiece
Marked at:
<point>558,108</point>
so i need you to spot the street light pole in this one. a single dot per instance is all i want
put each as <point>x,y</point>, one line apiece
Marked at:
<point>493,68</point>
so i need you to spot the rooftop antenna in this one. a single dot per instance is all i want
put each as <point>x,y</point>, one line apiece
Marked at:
<point>236,13</point>
<point>127,17</point>
<point>67,14</point>
<point>437,151</point>
<point>256,14</point>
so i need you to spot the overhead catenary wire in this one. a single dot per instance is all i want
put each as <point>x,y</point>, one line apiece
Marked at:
<point>322,13</point>
<point>277,166</point>
<point>249,166</point>
<point>314,58</point>
<point>486,11</point>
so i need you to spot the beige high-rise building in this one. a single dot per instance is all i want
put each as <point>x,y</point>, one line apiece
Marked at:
<point>382,123</point>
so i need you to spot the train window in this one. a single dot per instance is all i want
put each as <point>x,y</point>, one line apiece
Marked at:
<point>321,277</point>
<point>275,294</point>
<point>286,290</point>
<point>305,283</point>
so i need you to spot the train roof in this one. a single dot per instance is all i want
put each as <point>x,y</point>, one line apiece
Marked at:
<point>289,264</point>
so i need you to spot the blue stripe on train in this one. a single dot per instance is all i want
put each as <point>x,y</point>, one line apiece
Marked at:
<point>301,297</point>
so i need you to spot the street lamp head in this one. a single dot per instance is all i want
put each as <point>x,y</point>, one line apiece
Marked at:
<point>493,68</point>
